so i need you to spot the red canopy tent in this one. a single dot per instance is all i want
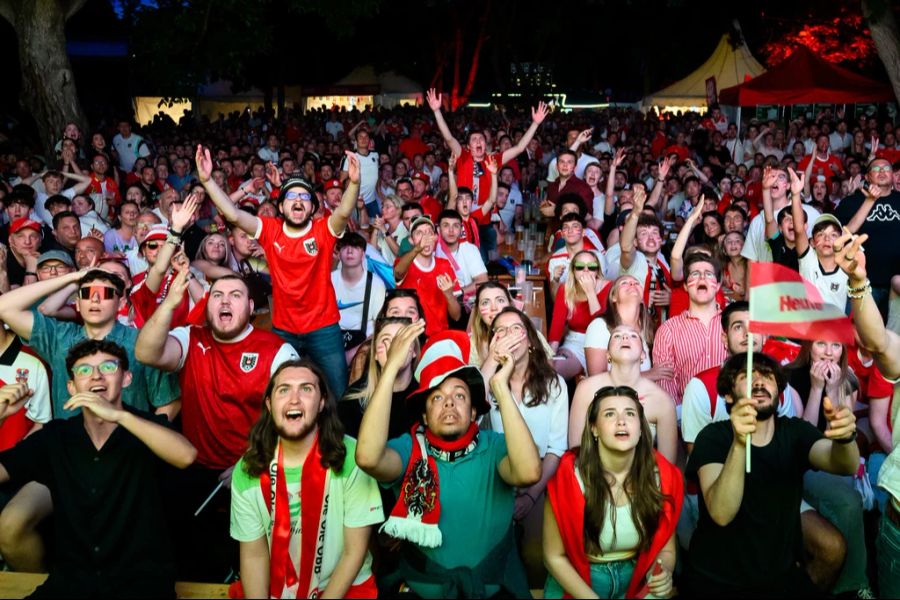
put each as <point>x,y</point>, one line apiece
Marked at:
<point>804,78</point>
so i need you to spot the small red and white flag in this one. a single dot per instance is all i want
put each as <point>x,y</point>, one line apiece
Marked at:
<point>785,304</point>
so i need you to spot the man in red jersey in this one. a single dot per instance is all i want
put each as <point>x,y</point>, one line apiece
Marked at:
<point>299,251</point>
<point>224,369</point>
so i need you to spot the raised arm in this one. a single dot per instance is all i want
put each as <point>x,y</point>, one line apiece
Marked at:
<point>453,190</point>
<point>15,306</point>
<point>723,484</point>
<point>798,184</point>
<point>434,103</point>
<point>232,214</point>
<point>864,209</point>
<point>677,266</point>
<point>154,346</point>
<point>655,195</point>
<point>166,443</point>
<point>341,215</point>
<point>807,180</point>
<point>697,172</point>
<point>611,181</point>
<point>522,465</point>
<point>838,453</point>
<point>181,219</point>
<point>372,454</point>
<point>874,337</point>
<point>582,138</point>
<point>538,114</point>
<point>768,181</point>
<point>491,165</point>
<point>630,231</point>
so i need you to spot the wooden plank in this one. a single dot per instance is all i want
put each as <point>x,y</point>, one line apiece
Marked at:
<point>19,585</point>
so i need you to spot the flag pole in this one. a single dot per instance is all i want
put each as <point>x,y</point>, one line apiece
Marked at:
<point>749,393</point>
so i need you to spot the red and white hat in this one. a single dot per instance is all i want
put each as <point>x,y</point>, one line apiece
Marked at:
<point>157,233</point>
<point>422,176</point>
<point>25,223</point>
<point>447,355</point>
<point>331,184</point>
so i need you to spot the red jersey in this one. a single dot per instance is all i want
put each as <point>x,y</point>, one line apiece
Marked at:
<point>682,151</point>
<point>411,146</point>
<point>424,281</point>
<point>466,171</point>
<point>872,383</point>
<point>581,315</point>
<point>300,265</point>
<point>145,303</point>
<point>829,168</point>
<point>431,206</point>
<point>222,387</point>
<point>19,361</point>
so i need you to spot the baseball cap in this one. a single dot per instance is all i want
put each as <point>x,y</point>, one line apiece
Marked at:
<point>419,221</point>
<point>828,218</point>
<point>422,176</point>
<point>59,255</point>
<point>157,233</point>
<point>331,184</point>
<point>25,223</point>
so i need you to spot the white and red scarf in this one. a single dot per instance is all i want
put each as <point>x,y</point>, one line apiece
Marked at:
<point>417,512</point>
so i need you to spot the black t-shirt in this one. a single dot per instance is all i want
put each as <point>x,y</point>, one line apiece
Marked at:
<point>401,421</point>
<point>110,530</point>
<point>759,548</point>
<point>883,227</point>
<point>14,271</point>
<point>783,255</point>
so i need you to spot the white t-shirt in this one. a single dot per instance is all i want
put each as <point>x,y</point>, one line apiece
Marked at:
<point>267,154</point>
<point>368,174</point>
<point>597,336</point>
<point>350,301</point>
<point>755,246</point>
<point>129,149</point>
<point>508,212</point>
<point>548,422</point>
<point>695,409</point>
<point>468,257</point>
<point>832,286</point>
<point>38,408</point>
<point>91,220</point>
<point>40,212</point>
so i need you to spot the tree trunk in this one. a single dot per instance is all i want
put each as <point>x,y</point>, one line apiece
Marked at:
<point>883,27</point>
<point>48,85</point>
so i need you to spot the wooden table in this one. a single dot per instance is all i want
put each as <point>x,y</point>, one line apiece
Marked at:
<point>19,585</point>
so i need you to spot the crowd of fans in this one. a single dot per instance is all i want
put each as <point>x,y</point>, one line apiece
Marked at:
<point>319,321</point>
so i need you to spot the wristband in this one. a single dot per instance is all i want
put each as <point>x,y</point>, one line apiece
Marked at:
<point>175,240</point>
<point>178,234</point>
<point>848,440</point>
<point>860,292</point>
<point>32,273</point>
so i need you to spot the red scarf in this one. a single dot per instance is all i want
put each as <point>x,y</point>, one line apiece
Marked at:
<point>567,500</point>
<point>417,512</point>
<point>314,502</point>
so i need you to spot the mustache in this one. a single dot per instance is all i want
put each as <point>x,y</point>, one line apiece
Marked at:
<point>762,390</point>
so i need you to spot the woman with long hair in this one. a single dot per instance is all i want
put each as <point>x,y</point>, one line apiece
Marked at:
<point>593,176</point>
<point>121,238</point>
<point>490,298</point>
<point>542,397</point>
<point>214,257</point>
<point>625,355</point>
<point>578,302</point>
<point>612,507</point>
<point>819,373</point>
<point>356,398</point>
<point>735,267</point>
<point>625,306</point>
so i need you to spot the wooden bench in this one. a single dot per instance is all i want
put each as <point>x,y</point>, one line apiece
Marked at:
<point>19,585</point>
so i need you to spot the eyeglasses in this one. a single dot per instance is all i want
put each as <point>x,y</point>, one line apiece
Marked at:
<point>702,274</point>
<point>515,329</point>
<point>54,268</point>
<point>107,367</point>
<point>589,267</point>
<point>105,293</point>
<point>298,195</point>
<point>881,169</point>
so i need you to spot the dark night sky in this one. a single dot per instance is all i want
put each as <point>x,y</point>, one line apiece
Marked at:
<point>628,46</point>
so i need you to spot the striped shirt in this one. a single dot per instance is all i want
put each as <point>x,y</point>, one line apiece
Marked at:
<point>691,347</point>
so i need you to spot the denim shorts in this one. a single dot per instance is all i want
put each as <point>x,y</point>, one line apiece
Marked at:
<point>608,580</point>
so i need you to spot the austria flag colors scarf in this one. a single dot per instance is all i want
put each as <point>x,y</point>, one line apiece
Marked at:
<point>417,512</point>
<point>314,481</point>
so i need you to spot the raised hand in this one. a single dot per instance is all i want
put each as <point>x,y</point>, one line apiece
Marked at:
<point>445,283</point>
<point>177,289</point>
<point>548,208</point>
<point>588,281</point>
<point>585,135</point>
<point>640,197</point>
<point>273,175</point>
<point>817,373</point>
<point>850,256</point>
<point>697,211</point>
<point>664,167</point>
<point>352,166</point>
<point>874,144</point>
<point>797,181</point>
<point>433,99</point>
<point>451,162</point>
<point>743,419</point>
<point>618,159</point>
<point>182,214</point>
<point>769,179</point>
<point>95,405</point>
<point>490,163</point>
<point>539,113</point>
<point>204,163</point>
<point>400,346</point>
<point>841,421</point>
<point>12,398</point>
<point>500,379</point>
<point>180,262</point>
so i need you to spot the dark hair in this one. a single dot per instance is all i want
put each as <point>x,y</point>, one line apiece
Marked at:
<point>569,217</point>
<point>230,277</point>
<point>570,199</point>
<point>541,376</point>
<point>648,220</point>
<point>737,209</point>
<point>640,485</point>
<point>264,439</point>
<point>449,213</point>
<point>702,257</point>
<point>463,190</point>
<point>473,131</point>
<point>566,152</point>
<point>825,225</point>
<point>63,214</point>
<point>351,238</point>
<point>400,293</point>
<point>412,206</point>
<point>100,275</point>
<point>737,364</point>
<point>737,306</point>
<point>786,212</point>
<point>91,347</point>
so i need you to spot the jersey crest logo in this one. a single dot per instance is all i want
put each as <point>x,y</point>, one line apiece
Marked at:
<point>311,247</point>
<point>249,361</point>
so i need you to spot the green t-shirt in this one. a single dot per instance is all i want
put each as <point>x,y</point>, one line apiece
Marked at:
<point>52,339</point>
<point>476,506</point>
<point>353,501</point>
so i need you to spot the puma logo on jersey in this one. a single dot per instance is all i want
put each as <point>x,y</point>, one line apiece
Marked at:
<point>884,212</point>
<point>278,247</point>
<point>203,348</point>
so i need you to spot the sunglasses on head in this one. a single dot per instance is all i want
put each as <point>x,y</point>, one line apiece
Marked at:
<point>105,293</point>
<point>297,196</point>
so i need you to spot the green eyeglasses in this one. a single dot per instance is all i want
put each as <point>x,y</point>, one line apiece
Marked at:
<point>589,266</point>
<point>107,367</point>
<point>881,169</point>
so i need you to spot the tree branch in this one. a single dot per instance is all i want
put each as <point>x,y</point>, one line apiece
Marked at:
<point>8,10</point>
<point>72,6</point>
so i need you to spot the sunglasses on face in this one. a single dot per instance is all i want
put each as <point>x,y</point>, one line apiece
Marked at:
<point>105,293</point>
<point>298,196</point>
<point>589,267</point>
<point>881,169</point>
<point>107,367</point>
<point>152,245</point>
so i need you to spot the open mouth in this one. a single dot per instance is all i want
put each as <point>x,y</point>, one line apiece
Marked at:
<point>622,434</point>
<point>226,316</point>
<point>98,389</point>
<point>293,415</point>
